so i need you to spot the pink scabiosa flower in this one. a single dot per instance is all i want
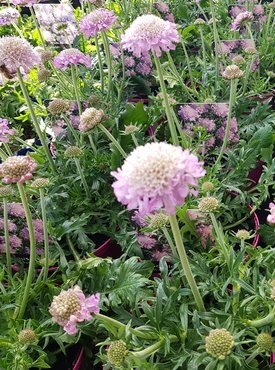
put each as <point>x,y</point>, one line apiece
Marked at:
<point>25,2</point>
<point>157,175</point>
<point>150,33</point>
<point>162,7</point>
<point>11,225</point>
<point>220,109</point>
<point>146,241</point>
<point>188,113</point>
<point>71,306</point>
<point>8,16</point>
<point>96,21</point>
<point>38,231</point>
<point>271,217</point>
<point>5,131</point>
<point>17,169</point>
<point>17,54</point>
<point>70,57</point>
<point>16,210</point>
<point>241,20</point>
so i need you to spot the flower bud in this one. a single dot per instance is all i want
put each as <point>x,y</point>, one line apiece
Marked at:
<point>219,343</point>
<point>199,22</point>
<point>90,118</point>
<point>116,352</point>
<point>242,234</point>
<point>73,152</point>
<point>251,50</point>
<point>264,342</point>
<point>40,183</point>
<point>27,336</point>
<point>238,60</point>
<point>43,75</point>
<point>130,129</point>
<point>6,191</point>
<point>58,106</point>
<point>232,72</point>
<point>207,186</point>
<point>208,205</point>
<point>158,220</point>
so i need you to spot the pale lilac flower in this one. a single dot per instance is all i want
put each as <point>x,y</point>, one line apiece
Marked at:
<point>8,16</point>
<point>38,231</point>
<point>24,2</point>
<point>220,109</point>
<point>146,241</point>
<point>138,219</point>
<point>70,57</point>
<point>170,18</point>
<point>17,169</point>
<point>5,131</point>
<point>150,33</point>
<point>206,234</point>
<point>157,255</point>
<point>209,124</point>
<point>233,133</point>
<point>271,217</point>
<point>96,21</point>
<point>241,20</point>
<point>115,49</point>
<point>258,10</point>
<point>16,210</point>
<point>188,113</point>
<point>144,66</point>
<point>157,175</point>
<point>17,53</point>
<point>129,62</point>
<point>162,7</point>
<point>15,243</point>
<point>71,307</point>
<point>11,225</point>
<point>236,10</point>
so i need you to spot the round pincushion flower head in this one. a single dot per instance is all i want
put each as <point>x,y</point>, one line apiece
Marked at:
<point>8,16</point>
<point>219,343</point>
<point>242,234</point>
<point>208,205</point>
<point>70,57</point>
<point>199,22</point>
<point>149,33</point>
<point>238,60</point>
<point>250,50</point>
<point>17,54</point>
<point>40,183</point>
<point>265,342</point>
<point>58,106</point>
<point>6,191</point>
<point>27,336</point>
<point>130,129</point>
<point>45,54</point>
<point>71,306</point>
<point>96,21</point>
<point>207,186</point>
<point>116,352</point>
<point>73,152</point>
<point>158,220</point>
<point>43,74</point>
<point>17,169</point>
<point>232,72</point>
<point>90,118</point>
<point>155,176</point>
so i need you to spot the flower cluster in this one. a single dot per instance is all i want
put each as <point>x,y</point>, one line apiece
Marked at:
<point>17,169</point>
<point>258,14</point>
<point>219,343</point>
<point>70,57</point>
<point>17,54</point>
<point>149,33</point>
<point>96,21</point>
<point>8,16</point>
<point>71,307</point>
<point>210,117</point>
<point>24,2</point>
<point>157,175</point>
<point>5,131</point>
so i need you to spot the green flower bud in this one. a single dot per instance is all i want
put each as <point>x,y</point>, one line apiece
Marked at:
<point>264,341</point>
<point>116,352</point>
<point>43,75</point>
<point>27,336</point>
<point>58,106</point>
<point>73,152</point>
<point>40,183</point>
<point>208,205</point>
<point>6,191</point>
<point>219,343</point>
<point>242,234</point>
<point>207,186</point>
<point>158,221</point>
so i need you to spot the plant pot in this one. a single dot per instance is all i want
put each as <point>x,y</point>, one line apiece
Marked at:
<point>109,248</point>
<point>255,174</point>
<point>272,358</point>
<point>76,365</point>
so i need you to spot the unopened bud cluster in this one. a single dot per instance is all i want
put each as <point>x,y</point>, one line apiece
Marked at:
<point>242,234</point>
<point>116,352</point>
<point>264,342</point>
<point>219,343</point>
<point>90,118</point>
<point>208,205</point>
<point>73,152</point>
<point>58,106</point>
<point>27,336</point>
<point>232,72</point>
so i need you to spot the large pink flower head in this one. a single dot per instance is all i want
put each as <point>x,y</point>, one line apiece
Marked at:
<point>157,175</point>
<point>271,217</point>
<point>96,21</point>
<point>17,169</point>
<point>17,53</point>
<point>5,131</point>
<point>150,33</point>
<point>8,16</point>
<point>71,56</point>
<point>71,306</point>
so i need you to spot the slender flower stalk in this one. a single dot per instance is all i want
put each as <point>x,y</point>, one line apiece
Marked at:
<point>220,237</point>
<point>190,75</point>
<point>258,323</point>
<point>81,174</point>
<point>168,111</point>
<point>170,241</point>
<point>247,73</point>
<point>73,131</point>
<point>153,348</point>
<point>76,87</point>
<point>35,121</point>
<point>20,310</point>
<point>112,139</point>
<point>7,235</point>
<point>45,234</point>
<point>101,72</point>
<point>185,263</point>
<point>203,51</point>
<point>91,140</point>
<point>108,62</point>
<point>72,249</point>
<point>216,39</point>
<point>233,91</point>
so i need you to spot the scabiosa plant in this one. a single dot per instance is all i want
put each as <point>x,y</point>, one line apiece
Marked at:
<point>116,352</point>
<point>71,307</point>
<point>70,57</point>
<point>17,54</point>
<point>97,21</point>
<point>8,16</point>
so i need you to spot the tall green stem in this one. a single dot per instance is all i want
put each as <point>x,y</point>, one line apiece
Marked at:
<point>45,234</point>
<point>73,131</point>
<point>7,236</point>
<point>247,73</point>
<point>109,63</point>
<point>76,87</point>
<point>185,263</point>
<point>35,121</point>
<point>112,139</point>
<point>233,90</point>
<point>81,174</point>
<point>269,319</point>
<point>169,115</point>
<point>101,72</point>
<point>19,313</point>
<point>92,143</point>
<point>72,249</point>
<point>220,237</point>
<point>216,40</point>
<point>170,241</point>
<point>188,63</point>
<point>203,52</point>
